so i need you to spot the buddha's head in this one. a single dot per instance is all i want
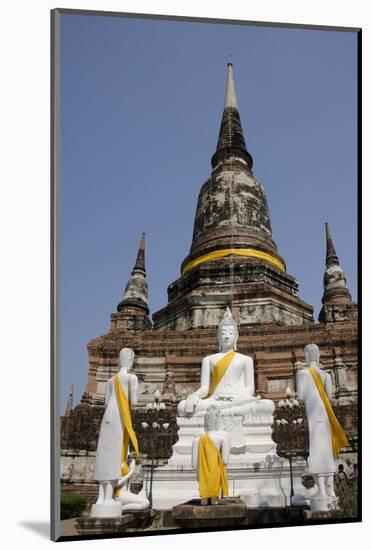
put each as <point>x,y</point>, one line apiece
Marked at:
<point>213,417</point>
<point>311,353</point>
<point>126,358</point>
<point>227,332</point>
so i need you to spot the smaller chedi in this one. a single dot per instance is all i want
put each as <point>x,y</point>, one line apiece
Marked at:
<point>210,455</point>
<point>116,433</point>
<point>326,436</point>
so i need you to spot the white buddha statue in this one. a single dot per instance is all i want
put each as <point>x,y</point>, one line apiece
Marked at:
<point>227,380</point>
<point>326,436</point>
<point>115,435</point>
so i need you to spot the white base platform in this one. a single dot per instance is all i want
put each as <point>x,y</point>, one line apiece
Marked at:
<point>113,510</point>
<point>251,438</point>
<point>255,472</point>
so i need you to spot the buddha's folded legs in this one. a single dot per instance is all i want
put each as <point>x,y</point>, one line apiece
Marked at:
<point>201,406</point>
<point>256,407</point>
<point>131,501</point>
<point>239,405</point>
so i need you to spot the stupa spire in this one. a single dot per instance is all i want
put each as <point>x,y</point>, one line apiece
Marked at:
<point>140,261</point>
<point>231,142</point>
<point>331,256</point>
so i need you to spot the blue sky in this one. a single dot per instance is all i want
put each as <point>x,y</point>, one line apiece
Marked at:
<point>141,104</point>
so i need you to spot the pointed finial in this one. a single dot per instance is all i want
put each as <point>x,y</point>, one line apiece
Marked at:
<point>231,142</point>
<point>69,406</point>
<point>230,91</point>
<point>140,261</point>
<point>331,256</point>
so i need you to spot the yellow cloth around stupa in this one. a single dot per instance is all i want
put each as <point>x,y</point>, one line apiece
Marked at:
<point>225,252</point>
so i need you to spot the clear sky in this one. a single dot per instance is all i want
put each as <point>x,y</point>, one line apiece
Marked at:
<point>141,105</point>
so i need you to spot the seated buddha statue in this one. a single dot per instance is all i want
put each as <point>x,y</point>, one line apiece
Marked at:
<point>227,380</point>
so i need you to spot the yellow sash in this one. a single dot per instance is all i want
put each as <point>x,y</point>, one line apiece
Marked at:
<point>212,471</point>
<point>129,434</point>
<point>338,437</point>
<point>220,369</point>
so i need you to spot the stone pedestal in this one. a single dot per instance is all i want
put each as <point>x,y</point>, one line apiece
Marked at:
<point>309,515</point>
<point>281,516</point>
<point>320,504</point>
<point>103,526</point>
<point>192,515</point>
<point>142,519</point>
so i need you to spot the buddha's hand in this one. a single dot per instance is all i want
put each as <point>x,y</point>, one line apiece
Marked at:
<point>299,365</point>
<point>191,402</point>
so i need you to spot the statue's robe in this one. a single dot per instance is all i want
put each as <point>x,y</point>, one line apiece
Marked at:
<point>115,433</point>
<point>326,437</point>
<point>338,438</point>
<point>219,370</point>
<point>212,471</point>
